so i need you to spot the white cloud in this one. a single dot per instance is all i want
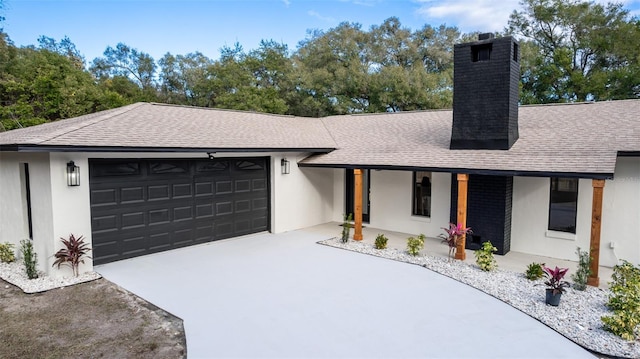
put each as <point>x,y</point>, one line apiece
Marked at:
<point>286,2</point>
<point>483,15</point>
<point>468,15</point>
<point>320,17</point>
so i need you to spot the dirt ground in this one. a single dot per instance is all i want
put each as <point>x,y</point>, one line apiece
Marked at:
<point>91,320</point>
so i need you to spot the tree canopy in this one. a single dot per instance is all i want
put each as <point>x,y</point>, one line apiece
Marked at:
<point>570,51</point>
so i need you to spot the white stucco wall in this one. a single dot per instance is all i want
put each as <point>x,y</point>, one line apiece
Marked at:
<point>13,221</point>
<point>621,210</point>
<point>302,198</point>
<point>621,214</point>
<point>391,202</point>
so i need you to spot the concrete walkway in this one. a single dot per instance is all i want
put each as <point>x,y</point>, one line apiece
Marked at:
<point>286,296</point>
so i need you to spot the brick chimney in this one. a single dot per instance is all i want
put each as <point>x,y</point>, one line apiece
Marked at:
<point>485,94</point>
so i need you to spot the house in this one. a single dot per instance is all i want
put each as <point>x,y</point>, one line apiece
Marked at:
<point>149,177</point>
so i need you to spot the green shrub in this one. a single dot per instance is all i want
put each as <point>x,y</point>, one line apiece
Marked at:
<point>582,274</point>
<point>624,300</point>
<point>381,241</point>
<point>346,227</point>
<point>6,253</point>
<point>30,258</point>
<point>415,245</point>
<point>534,271</point>
<point>484,257</point>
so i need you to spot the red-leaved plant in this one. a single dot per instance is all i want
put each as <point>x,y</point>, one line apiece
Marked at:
<point>73,253</point>
<point>554,279</point>
<point>452,236</point>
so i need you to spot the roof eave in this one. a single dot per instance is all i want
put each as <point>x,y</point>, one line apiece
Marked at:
<point>65,148</point>
<point>489,172</point>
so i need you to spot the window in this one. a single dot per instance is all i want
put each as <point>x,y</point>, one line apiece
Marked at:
<point>26,198</point>
<point>563,204</point>
<point>421,194</point>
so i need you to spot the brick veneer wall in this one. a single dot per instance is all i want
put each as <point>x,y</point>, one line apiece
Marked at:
<point>485,96</point>
<point>489,201</point>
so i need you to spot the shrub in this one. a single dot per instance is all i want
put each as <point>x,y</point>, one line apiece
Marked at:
<point>72,254</point>
<point>381,241</point>
<point>415,245</point>
<point>534,271</point>
<point>6,253</point>
<point>346,227</point>
<point>30,258</point>
<point>582,274</point>
<point>624,300</point>
<point>484,257</point>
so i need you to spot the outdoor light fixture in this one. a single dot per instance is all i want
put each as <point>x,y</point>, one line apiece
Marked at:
<point>211,155</point>
<point>285,166</point>
<point>73,174</point>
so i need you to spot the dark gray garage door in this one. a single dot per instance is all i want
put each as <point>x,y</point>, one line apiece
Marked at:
<point>145,206</point>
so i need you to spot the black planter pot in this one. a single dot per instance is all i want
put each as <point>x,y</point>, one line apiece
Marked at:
<point>553,299</point>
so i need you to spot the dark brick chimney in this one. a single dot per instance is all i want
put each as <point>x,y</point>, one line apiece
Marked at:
<point>485,94</point>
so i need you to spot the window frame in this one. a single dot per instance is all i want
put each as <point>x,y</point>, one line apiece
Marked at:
<point>414,188</point>
<point>571,228</point>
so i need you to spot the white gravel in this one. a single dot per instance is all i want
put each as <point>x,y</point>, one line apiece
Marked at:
<point>577,317</point>
<point>16,274</point>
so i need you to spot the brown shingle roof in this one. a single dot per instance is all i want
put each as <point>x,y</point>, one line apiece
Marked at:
<point>580,138</point>
<point>567,138</point>
<point>148,126</point>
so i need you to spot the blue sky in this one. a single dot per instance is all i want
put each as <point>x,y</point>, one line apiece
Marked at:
<point>181,27</point>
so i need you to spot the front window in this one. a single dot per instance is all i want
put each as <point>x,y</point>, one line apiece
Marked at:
<point>421,194</point>
<point>563,204</point>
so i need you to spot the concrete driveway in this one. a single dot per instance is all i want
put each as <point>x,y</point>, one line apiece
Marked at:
<point>286,296</point>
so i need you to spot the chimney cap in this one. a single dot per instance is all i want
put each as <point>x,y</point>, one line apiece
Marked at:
<point>485,36</point>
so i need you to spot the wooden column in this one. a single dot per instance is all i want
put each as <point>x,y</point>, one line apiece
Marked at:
<point>357,204</point>
<point>596,222</point>
<point>463,181</point>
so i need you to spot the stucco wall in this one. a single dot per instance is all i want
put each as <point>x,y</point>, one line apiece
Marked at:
<point>621,210</point>
<point>13,219</point>
<point>621,213</point>
<point>391,202</point>
<point>302,198</point>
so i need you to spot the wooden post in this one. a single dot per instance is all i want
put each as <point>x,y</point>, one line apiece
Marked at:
<point>596,224</point>
<point>357,204</point>
<point>463,181</point>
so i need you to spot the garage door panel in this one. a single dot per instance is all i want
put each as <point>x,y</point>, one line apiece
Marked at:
<point>224,187</point>
<point>146,206</point>
<point>103,197</point>
<point>132,194</point>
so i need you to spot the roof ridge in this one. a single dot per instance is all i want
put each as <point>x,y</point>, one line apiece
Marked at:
<point>225,110</point>
<point>103,117</point>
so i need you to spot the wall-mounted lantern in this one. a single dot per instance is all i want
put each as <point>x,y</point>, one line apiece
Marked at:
<point>73,174</point>
<point>286,167</point>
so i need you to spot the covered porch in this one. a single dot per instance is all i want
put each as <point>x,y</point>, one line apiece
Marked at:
<point>512,261</point>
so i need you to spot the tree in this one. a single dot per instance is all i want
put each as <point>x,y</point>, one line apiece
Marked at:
<point>39,85</point>
<point>185,79</point>
<point>577,51</point>
<point>127,62</point>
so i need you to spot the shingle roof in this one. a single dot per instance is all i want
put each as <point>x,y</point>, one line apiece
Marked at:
<point>582,138</point>
<point>149,126</point>
<point>566,138</point>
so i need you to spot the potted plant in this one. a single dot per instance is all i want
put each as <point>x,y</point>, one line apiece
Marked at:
<point>452,235</point>
<point>555,285</point>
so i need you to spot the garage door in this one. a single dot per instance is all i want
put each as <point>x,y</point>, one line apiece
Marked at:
<point>145,206</point>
